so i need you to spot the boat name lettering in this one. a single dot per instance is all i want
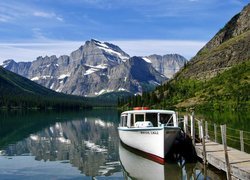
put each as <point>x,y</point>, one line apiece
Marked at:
<point>149,132</point>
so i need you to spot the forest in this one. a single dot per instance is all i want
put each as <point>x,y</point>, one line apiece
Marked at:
<point>228,90</point>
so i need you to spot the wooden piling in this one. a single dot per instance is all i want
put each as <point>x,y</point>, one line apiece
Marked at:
<point>199,130</point>
<point>215,133</point>
<point>203,143</point>
<point>206,130</point>
<point>185,126</point>
<point>192,128</point>
<point>224,142</point>
<point>241,141</point>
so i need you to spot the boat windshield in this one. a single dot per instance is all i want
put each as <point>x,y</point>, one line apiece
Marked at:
<point>167,119</point>
<point>155,118</point>
<point>152,117</point>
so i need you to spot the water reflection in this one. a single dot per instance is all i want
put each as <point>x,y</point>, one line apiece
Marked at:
<point>74,145</point>
<point>137,165</point>
<point>88,143</point>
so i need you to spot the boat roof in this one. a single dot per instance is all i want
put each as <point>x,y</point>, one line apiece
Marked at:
<point>150,111</point>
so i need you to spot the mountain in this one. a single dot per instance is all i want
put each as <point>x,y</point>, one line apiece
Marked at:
<point>218,77</point>
<point>18,91</point>
<point>93,69</point>
<point>229,47</point>
<point>168,64</point>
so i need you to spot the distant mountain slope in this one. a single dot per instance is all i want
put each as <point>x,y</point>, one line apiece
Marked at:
<point>168,64</point>
<point>13,83</point>
<point>230,46</point>
<point>218,77</point>
<point>17,91</point>
<point>95,68</point>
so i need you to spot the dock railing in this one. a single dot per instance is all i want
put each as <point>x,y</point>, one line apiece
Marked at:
<point>236,138</point>
<point>203,132</point>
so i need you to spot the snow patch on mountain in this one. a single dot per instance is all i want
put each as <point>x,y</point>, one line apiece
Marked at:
<point>36,78</point>
<point>111,51</point>
<point>95,68</point>
<point>103,91</point>
<point>122,89</point>
<point>62,76</point>
<point>147,60</point>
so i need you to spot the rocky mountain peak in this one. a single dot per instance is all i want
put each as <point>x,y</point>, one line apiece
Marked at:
<point>229,47</point>
<point>167,64</point>
<point>95,52</point>
<point>238,25</point>
<point>8,62</point>
<point>93,69</point>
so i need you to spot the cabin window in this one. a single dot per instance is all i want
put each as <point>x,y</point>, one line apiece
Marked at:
<point>123,121</point>
<point>152,117</point>
<point>131,120</point>
<point>167,119</point>
<point>139,117</point>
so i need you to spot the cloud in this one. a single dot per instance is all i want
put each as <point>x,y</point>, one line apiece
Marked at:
<point>44,14</point>
<point>5,18</point>
<point>16,12</point>
<point>47,15</point>
<point>30,51</point>
<point>38,34</point>
<point>187,48</point>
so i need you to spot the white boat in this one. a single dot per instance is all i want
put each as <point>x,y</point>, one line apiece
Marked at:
<point>150,131</point>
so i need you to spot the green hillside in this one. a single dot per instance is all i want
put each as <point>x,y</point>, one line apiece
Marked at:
<point>229,90</point>
<point>218,77</point>
<point>19,92</point>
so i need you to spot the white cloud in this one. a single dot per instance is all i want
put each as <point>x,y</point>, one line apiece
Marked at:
<point>187,48</point>
<point>5,18</point>
<point>30,51</point>
<point>47,15</point>
<point>37,33</point>
<point>44,14</point>
<point>59,19</point>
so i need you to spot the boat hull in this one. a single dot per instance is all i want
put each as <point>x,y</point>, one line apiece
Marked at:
<point>155,141</point>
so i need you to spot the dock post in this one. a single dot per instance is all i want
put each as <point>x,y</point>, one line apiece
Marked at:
<point>185,124</point>
<point>199,130</point>
<point>215,133</point>
<point>177,116</point>
<point>206,130</point>
<point>192,128</point>
<point>241,141</point>
<point>224,141</point>
<point>203,143</point>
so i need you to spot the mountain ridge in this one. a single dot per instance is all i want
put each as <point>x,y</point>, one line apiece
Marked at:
<point>18,91</point>
<point>218,77</point>
<point>224,50</point>
<point>94,68</point>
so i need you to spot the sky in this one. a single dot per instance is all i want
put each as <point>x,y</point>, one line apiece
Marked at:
<point>32,28</point>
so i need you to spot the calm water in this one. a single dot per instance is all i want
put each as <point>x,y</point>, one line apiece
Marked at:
<point>78,145</point>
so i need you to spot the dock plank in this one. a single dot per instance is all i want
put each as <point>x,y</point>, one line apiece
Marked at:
<point>239,161</point>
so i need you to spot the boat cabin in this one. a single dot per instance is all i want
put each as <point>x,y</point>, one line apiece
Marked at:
<point>148,118</point>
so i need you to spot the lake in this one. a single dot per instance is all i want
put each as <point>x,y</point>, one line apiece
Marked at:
<point>79,145</point>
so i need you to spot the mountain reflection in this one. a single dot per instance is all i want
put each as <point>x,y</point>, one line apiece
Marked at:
<point>89,143</point>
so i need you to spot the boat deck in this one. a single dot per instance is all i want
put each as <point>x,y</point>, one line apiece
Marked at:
<point>239,161</point>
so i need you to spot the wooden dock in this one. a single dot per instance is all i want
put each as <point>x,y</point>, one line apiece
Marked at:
<point>236,163</point>
<point>239,161</point>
